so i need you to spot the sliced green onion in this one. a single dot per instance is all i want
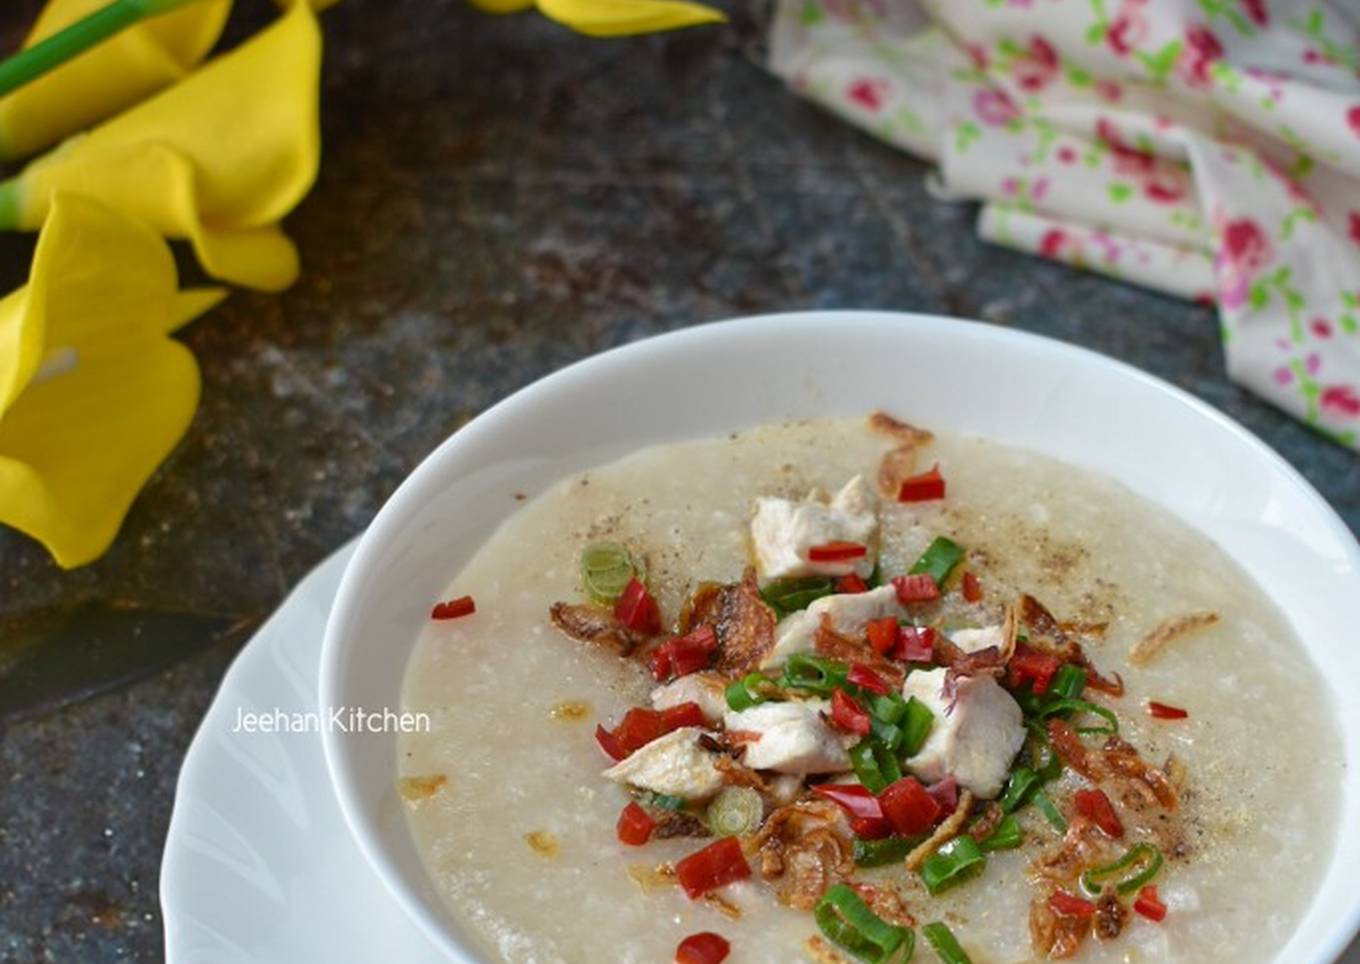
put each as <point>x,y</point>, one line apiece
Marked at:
<point>787,596</point>
<point>1021,785</point>
<point>939,560</point>
<point>606,568</point>
<point>890,707</point>
<point>1053,707</point>
<point>849,923</point>
<point>1068,682</point>
<point>875,578</point>
<point>915,727</point>
<point>736,811</point>
<point>1051,813</point>
<point>1047,764</point>
<point>889,850</point>
<point>944,944</point>
<point>1144,856</point>
<point>875,765</point>
<point>888,734</point>
<point>663,801</point>
<point>815,674</point>
<point>1006,836</point>
<point>952,864</point>
<point>744,693</point>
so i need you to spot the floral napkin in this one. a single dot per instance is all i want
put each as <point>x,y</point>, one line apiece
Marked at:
<point>1206,148</point>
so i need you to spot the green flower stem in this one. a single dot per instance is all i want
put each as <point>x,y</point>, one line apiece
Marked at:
<point>80,36</point>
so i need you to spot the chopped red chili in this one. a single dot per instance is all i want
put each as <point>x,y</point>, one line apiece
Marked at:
<point>1096,807</point>
<point>909,806</point>
<point>868,828</point>
<point>882,634</point>
<point>923,487</point>
<point>848,714</point>
<point>851,583</point>
<point>641,726</point>
<point>462,606</point>
<point>915,644</point>
<point>972,587</point>
<point>1149,905</point>
<point>866,679</point>
<point>916,588</point>
<point>1031,666</point>
<point>705,947</point>
<point>1165,711</point>
<point>684,654</point>
<point>636,608</point>
<point>856,800</point>
<point>837,551</point>
<point>721,862</point>
<point>635,826</point>
<point>1068,905</point>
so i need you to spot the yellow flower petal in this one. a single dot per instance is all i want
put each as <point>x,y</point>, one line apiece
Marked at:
<point>612,18</point>
<point>218,158</point>
<point>190,303</point>
<point>120,71</point>
<point>112,394</point>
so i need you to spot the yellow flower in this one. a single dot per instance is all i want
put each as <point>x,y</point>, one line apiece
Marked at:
<point>93,394</point>
<point>118,72</point>
<point>218,158</point>
<point>612,18</point>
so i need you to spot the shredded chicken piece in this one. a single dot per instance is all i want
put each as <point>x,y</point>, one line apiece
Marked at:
<point>986,825</point>
<point>831,644</point>
<point>1147,648</point>
<point>742,622</point>
<point>805,848</point>
<point>590,624</point>
<point>1054,936</point>
<point>898,464</point>
<point>1047,635</point>
<point>1110,916</point>
<point>944,833</point>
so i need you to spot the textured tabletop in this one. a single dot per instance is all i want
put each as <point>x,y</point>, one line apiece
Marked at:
<point>498,197</point>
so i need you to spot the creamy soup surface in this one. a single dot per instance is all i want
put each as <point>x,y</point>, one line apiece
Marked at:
<point>1259,815</point>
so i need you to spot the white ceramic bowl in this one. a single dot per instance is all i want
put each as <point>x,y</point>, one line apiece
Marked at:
<point>1019,388</point>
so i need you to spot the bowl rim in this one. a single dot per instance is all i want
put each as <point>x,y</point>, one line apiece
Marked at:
<point>404,501</point>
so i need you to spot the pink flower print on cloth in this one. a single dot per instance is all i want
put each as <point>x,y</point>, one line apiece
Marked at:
<point>1206,148</point>
<point>1243,252</point>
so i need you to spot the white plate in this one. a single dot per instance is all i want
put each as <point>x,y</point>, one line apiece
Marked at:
<point>1029,391</point>
<point>258,865</point>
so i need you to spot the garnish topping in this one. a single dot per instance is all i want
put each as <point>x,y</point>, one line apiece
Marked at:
<point>684,654</point>
<point>635,826</point>
<point>636,608</point>
<point>838,551</point>
<point>705,947</point>
<point>916,588</point>
<point>849,923</point>
<point>454,608</point>
<point>1164,711</point>
<point>721,862</point>
<point>606,569</point>
<point>1149,905</point>
<point>924,487</point>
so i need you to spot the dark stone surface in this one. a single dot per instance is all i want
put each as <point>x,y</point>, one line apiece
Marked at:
<point>498,198</point>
